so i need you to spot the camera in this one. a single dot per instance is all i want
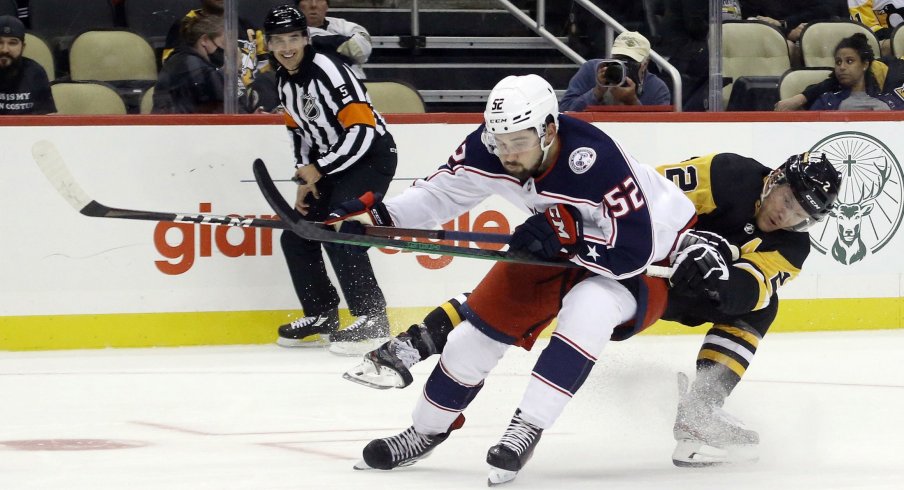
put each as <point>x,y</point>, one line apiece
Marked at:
<point>615,75</point>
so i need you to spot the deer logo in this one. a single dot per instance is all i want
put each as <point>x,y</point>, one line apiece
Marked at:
<point>870,203</point>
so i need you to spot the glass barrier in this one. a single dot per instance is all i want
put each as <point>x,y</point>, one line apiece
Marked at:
<point>171,56</point>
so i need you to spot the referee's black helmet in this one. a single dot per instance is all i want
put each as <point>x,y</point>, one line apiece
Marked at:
<point>283,19</point>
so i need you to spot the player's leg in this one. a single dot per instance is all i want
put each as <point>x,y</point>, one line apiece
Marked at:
<point>388,365</point>
<point>589,314</point>
<point>468,357</point>
<point>706,434</point>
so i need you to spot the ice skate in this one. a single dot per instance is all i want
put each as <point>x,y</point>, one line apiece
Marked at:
<point>386,366</point>
<point>309,331</point>
<point>403,449</point>
<point>365,334</point>
<point>513,451</point>
<point>709,436</point>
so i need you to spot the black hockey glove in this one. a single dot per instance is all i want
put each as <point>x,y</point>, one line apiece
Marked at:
<point>700,269</point>
<point>694,237</point>
<point>352,216</point>
<point>555,234</point>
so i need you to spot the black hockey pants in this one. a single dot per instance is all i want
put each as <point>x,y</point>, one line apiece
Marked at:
<point>373,172</point>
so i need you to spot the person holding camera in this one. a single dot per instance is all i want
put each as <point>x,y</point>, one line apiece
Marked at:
<point>620,80</point>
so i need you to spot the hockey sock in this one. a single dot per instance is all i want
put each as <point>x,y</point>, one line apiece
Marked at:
<point>723,359</point>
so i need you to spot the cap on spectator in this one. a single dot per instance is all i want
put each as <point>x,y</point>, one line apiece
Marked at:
<point>11,27</point>
<point>632,45</point>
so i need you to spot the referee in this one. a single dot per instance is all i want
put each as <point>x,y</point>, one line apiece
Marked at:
<point>342,150</point>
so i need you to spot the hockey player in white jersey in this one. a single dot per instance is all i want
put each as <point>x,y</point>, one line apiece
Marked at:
<point>593,204</point>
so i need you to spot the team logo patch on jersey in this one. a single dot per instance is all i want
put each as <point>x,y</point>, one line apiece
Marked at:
<point>309,108</point>
<point>581,159</point>
<point>749,229</point>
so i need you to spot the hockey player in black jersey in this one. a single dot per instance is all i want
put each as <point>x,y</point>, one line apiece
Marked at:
<point>764,213</point>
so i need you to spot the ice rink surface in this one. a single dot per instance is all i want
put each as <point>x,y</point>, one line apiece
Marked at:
<point>829,408</point>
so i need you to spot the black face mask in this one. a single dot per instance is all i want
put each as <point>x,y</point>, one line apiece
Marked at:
<point>218,57</point>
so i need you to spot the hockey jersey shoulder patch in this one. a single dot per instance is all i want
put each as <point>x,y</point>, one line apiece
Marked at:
<point>581,159</point>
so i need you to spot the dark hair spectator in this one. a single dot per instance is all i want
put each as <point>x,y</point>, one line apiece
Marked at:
<point>24,87</point>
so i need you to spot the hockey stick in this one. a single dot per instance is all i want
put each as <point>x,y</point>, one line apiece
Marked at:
<point>313,231</point>
<point>51,163</point>
<point>54,168</point>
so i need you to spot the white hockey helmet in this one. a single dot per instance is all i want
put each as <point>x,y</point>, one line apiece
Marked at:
<point>517,103</point>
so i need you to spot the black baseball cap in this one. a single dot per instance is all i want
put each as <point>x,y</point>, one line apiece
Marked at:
<point>12,27</point>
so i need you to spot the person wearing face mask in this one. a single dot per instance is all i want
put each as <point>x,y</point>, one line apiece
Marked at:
<point>621,80</point>
<point>24,88</point>
<point>191,80</point>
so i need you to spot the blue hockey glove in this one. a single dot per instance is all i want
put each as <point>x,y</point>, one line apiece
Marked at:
<point>555,234</point>
<point>352,216</point>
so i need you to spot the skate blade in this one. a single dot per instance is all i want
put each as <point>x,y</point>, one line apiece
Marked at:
<point>695,454</point>
<point>499,476</point>
<point>368,374</point>
<point>309,341</point>
<point>361,465</point>
<point>355,349</point>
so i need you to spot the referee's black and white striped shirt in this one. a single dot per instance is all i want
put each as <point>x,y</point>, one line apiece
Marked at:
<point>329,115</point>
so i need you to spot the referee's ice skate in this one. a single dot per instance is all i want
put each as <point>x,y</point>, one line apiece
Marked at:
<point>309,331</point>
<point>513,451</point>
<point>365,334</point>
<point>386,366</point>
<point>403,449</point>
<point>709,436</point>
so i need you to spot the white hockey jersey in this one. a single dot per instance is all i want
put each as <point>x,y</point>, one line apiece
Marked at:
<point>631,214</point>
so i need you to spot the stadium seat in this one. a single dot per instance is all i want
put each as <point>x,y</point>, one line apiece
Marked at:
<point>818,41</point>
<point>147,101</point>
<point>121,58</point>
<point>152,19</point>
<point>794,82</point>
<point>394,97</point>
<point>255,11</point>
<point>86,98</point>
<point>752,48</point>
<point>37,49</point>
<point>897,41</point>
<point>8,7</point>
<point>53,19</point>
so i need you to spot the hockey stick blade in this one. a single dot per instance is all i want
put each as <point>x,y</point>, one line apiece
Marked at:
<point>313,231</point>
<point>54,168</point>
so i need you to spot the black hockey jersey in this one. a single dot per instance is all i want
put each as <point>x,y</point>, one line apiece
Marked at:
<point>725,189</point>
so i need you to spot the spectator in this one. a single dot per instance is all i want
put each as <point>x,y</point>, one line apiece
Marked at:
<point>24,87</point>
<point>881,16</point>
<point>597,81</point>
<point>191,80</point>
<point>328,34</point>
<point>213,7</point>
<point>888,73</point>
<point>859,87</point>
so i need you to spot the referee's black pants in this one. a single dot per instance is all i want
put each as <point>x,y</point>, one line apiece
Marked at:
<point>373,172</point>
